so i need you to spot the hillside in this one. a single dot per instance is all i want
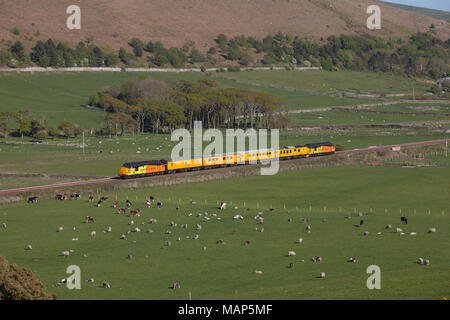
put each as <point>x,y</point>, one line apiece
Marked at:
<point>436,14</point>
<point>173,22</point>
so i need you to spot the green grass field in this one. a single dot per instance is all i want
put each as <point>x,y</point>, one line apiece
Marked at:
<point>56,97</point>
<point>323,81</point>
<point>226,271</point>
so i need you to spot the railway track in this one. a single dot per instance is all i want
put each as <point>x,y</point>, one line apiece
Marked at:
<point>117,180</point>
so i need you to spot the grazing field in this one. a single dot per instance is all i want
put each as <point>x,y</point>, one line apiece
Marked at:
<point>226,270</point>
<point>349,117</point>
<point>56,97</point>
<point>323,81</point>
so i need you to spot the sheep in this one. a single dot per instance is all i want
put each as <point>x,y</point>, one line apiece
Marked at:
<point>355,259</point>
<point>322,275</point>
<point>4,225</point>
<point>388,226</point>
<point>148,203</point>
<point>193,202</point>
<point>168,243</point>
<point>237,217</point>
<point>65,253</point>
<point>93,233</point>
<point>223,206</point>
<point>308,228</point>
<point>149,231</point>
<point>261,230</point>
<point>220,241</point>
<point>300,240</point>
<point>421,261</point>
<point>196,237</point>
<point>136,229</point>
<point>291,253</point>
<point>90,280</point>
<point>123,237</point>
<point>130,256</point>
<point>131,223</point>
<point>360,214</point>
<point>258,272</point>
<point>176,285</point>
<point>427,262</point>
<point>366,233</point>
<point>106,285</point>
<point>91,198</point>
<point>29,247</point>
<point>399,230</point>
<point>109,229</point>
<point>153,221</point>
<point>60,229</point>
<point>404,220</point>
<point>432,230</point>
<point>289,220</point>
<point>128,204</point>
<point>413,233</point>
<point>247,243</point>
<point>204,248</point>
<point>291,265</point>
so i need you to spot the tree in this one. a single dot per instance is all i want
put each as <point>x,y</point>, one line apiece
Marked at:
<point>70,129</point>
<point>19,283</point>
<point>18,51</point>
<point>24,126</point>
<point>172,114</point>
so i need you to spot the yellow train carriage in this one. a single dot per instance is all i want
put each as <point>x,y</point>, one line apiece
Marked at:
<point>221,160</point>
<point>184,164</point>
<point>256,156</point>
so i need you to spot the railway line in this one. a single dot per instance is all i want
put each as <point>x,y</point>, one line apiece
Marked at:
<point>8,192</point>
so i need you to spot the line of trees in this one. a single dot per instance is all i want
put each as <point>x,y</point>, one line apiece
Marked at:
<point>148,105</point>
<point>23,124</point>
<point>421,54</point>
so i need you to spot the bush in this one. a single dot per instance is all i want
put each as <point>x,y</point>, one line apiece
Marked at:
<point>41,135</point>
<point>234,69</point>
<point>19,283</point>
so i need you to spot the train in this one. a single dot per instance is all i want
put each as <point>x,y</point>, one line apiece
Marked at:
<point>138,169</point>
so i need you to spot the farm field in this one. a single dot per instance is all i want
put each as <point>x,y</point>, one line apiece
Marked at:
<point>226,271</point>
<point>322,81</point>
<point>348,117</point>
<point>56,97</point>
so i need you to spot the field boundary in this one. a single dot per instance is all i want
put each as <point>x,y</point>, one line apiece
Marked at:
<point>175,70</point>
